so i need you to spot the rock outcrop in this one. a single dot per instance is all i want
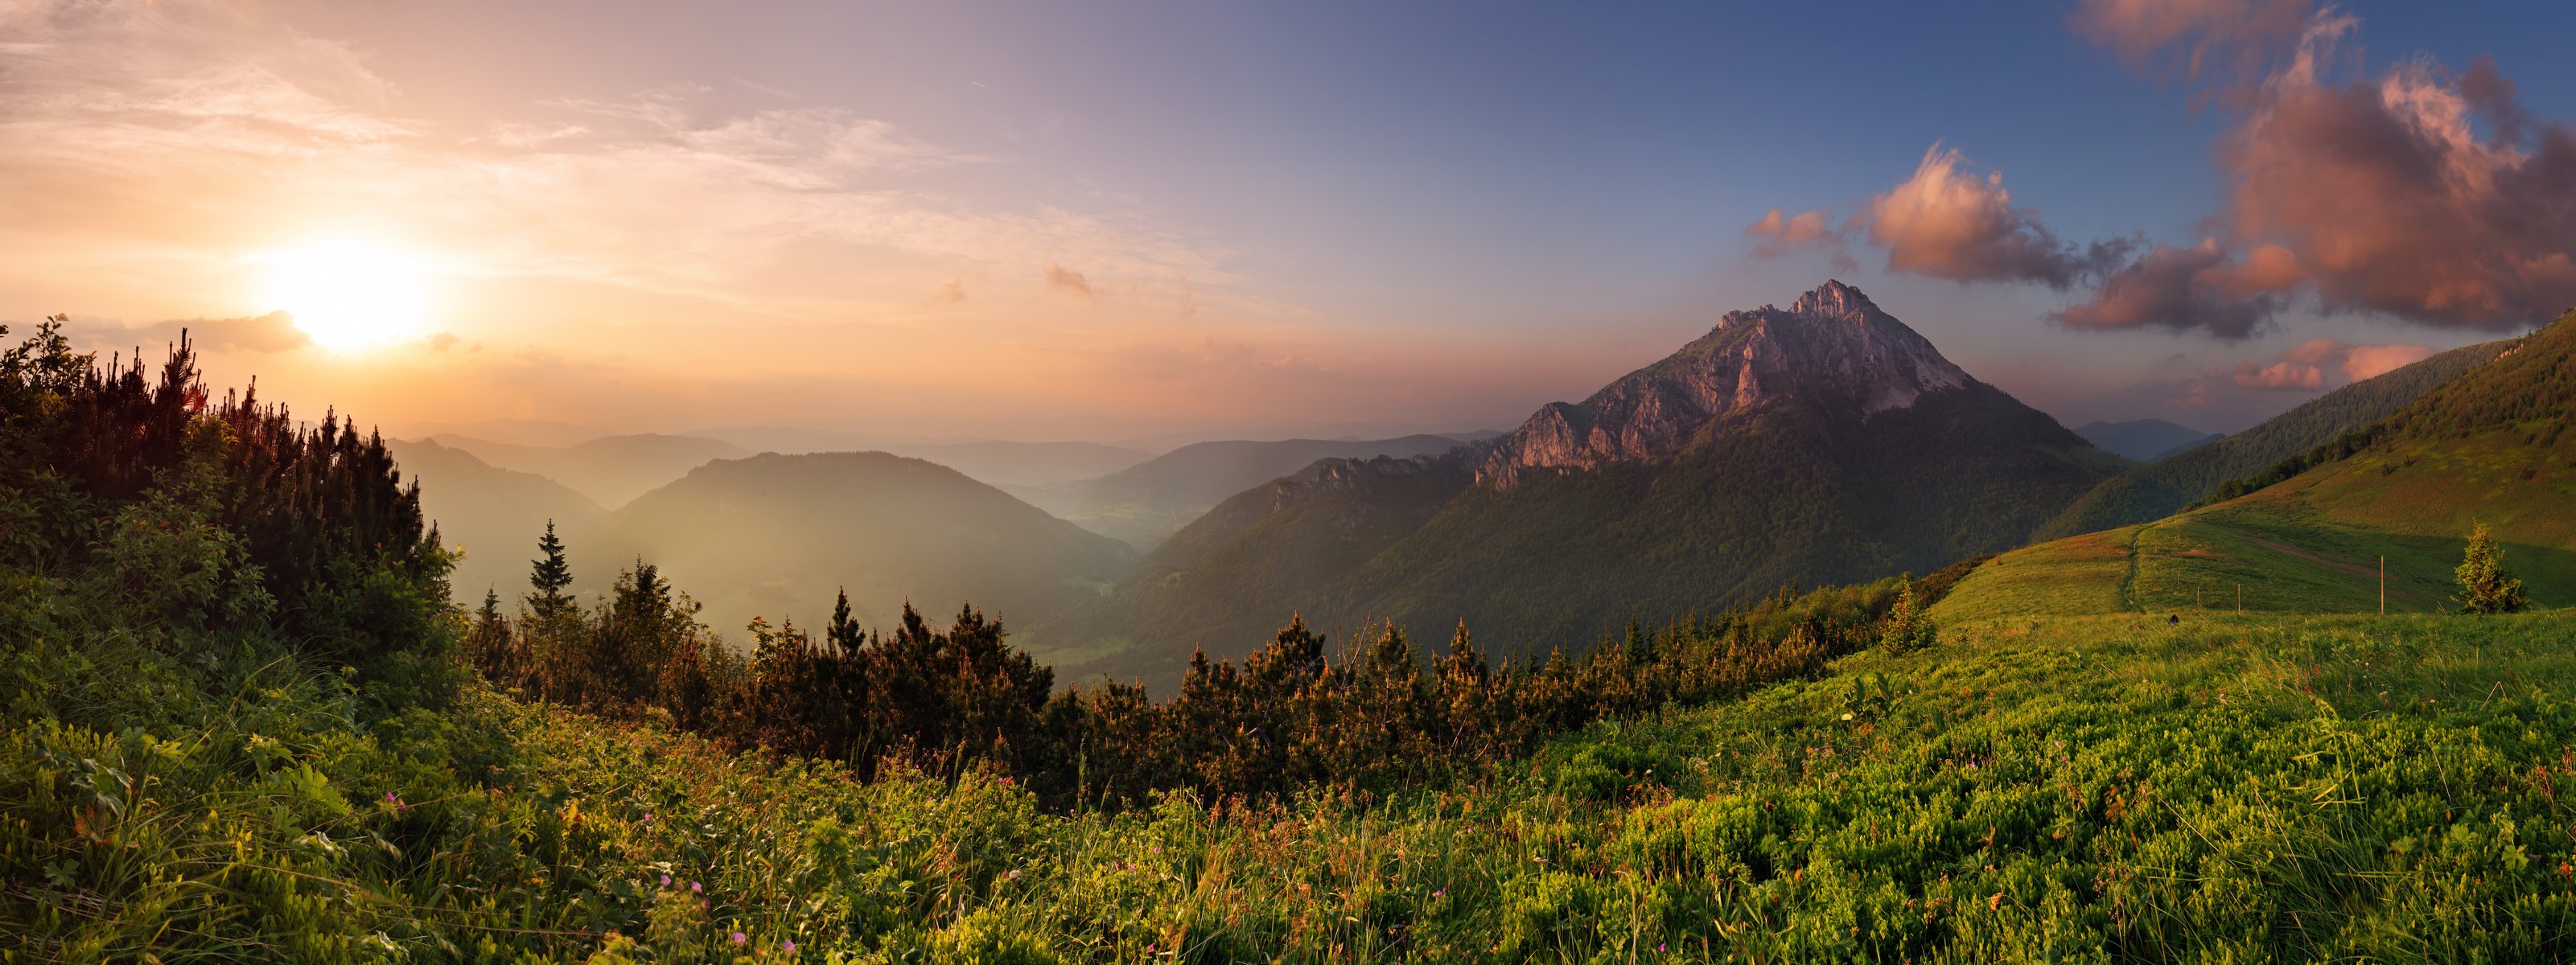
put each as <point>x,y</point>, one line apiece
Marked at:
<point>1832,348</point>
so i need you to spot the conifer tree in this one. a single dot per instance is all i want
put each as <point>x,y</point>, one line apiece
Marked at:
<point>2485,586</point>
<point>550,576</point>
<point>1905,628</point>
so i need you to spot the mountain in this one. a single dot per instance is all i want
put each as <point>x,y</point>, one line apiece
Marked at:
<point>2491,445</point>
<point>1226,575</point>
<point>1025,465</point>
<point>2163,487</point>
<point>2143,439</point>
<point>1151,500</point>
<point>777,536</point>
<point>495,515</point>
<point>610,470</point>
<point>517,432</point>
<point>1826,442</point>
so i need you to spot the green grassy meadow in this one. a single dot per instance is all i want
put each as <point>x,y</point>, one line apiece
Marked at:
<point>2087,788</point>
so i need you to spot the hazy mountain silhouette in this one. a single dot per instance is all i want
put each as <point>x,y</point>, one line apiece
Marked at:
<point>1147,502</point>
<point>495,515</point>
<point>2143,439</point>
<point>610,470</point>
<point>777,535</point>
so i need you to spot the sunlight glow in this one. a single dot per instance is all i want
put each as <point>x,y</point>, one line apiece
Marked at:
<point>349,295</point>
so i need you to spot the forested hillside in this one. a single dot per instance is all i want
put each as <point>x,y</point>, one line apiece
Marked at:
<point>1822,443</point>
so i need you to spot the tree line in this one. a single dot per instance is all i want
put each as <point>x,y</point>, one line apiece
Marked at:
<point>1376,712</point>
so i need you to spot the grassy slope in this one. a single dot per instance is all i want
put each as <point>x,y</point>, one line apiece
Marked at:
<point>2490,447</point>
<point>2097,788</point>
<point>2158,489</point>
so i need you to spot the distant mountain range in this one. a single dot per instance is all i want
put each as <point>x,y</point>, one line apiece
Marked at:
<point>611,470</point>
<point>777,536</point>
<point>493,514</point>
<point>2145,440</point>
<point>1151,500</point>
<point>1825,442</point>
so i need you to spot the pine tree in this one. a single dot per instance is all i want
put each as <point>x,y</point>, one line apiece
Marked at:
<point>2485,586</point>
<point>1905,628</point>
<point>550,576</point>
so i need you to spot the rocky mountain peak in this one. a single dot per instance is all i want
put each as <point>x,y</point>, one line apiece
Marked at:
<point>1832,348</point>
<point>1833,299</point>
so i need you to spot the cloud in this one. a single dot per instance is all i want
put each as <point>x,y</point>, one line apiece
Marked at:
<point>442,341</point>
<point>114,116</point>
<point>1070,281</point>
<point>2184,289</point>
<point>2202,36</point>
<point>2422,194</point>
<point>2371,361</point>
<point>2279,375</point>
<point>1947,222</point>
<point>1782,232</point>
<point>272,332</point>
<point>2304,367</point>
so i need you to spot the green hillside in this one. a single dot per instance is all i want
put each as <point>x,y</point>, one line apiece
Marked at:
<point>2161,488</point>
<point>2488,446</point>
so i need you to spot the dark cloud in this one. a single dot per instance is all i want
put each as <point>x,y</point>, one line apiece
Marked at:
<point>2183,289</point>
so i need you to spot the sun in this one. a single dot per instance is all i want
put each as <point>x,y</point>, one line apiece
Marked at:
<point>349,295</point>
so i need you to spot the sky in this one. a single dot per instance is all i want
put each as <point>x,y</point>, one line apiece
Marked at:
<point>1122,221</point>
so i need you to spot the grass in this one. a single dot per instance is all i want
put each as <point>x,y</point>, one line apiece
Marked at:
<point>2314,544</point>
<point>2058,788</point>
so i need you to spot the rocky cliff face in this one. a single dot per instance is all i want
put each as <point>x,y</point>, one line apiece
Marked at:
<point>1831,348</point>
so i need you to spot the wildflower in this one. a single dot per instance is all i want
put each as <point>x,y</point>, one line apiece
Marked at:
<point>648,817</point>
<point>1659,946</point>
<point>695,889</point>
<point>1013,874</point>
<point>787,945</point>
<point>1158,849</point>
<point>1846,715</point>
<point>741,939</point>
<point>666,881</point>
<point>1442,893</point>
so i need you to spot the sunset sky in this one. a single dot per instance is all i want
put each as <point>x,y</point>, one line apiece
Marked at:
<point>1141,220</point>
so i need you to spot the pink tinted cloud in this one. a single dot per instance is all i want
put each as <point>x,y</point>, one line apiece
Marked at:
<point>2370,361</point>
<point>2198,36</point>
<point>2422,194</point>
<point>1947,221</point>
<point>2279,375</point>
